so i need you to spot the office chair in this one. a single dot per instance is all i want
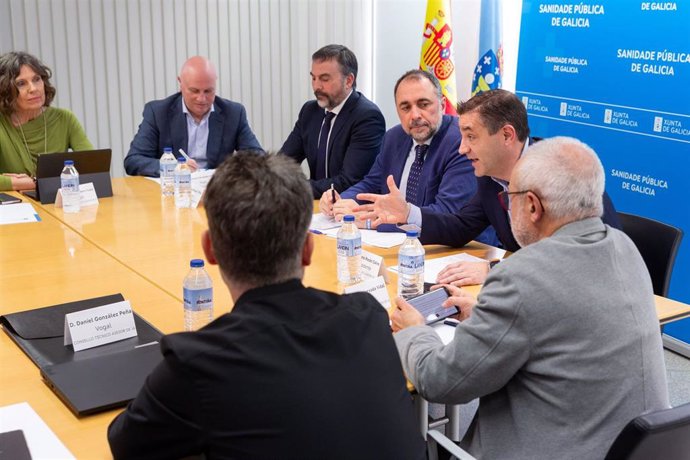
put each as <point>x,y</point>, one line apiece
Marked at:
<point>662,434</point>
<point>658,244</point>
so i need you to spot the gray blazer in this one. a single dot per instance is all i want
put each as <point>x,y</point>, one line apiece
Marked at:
<point>563,349</point>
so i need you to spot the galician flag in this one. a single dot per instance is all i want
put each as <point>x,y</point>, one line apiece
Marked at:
<point>437,50</point>
<point>489,69</point>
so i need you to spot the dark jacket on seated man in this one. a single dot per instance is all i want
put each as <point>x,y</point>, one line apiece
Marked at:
<point>291,372</point>
<point>165,125</point>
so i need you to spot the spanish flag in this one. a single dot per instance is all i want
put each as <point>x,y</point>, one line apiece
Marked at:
<point>437,50</point>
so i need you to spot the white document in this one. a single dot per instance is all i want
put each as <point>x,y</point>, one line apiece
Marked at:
<point>374,286</point>
<point>42,442</point>
<point>99,325</point>
<point>432,267</point>
<point>445,330</point>
<point>374,238</point>
<point>200,180</point>
<point>19,213</point>
<point>321,222</point>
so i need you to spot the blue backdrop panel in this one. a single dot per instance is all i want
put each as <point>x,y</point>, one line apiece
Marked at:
<point>616,74</point>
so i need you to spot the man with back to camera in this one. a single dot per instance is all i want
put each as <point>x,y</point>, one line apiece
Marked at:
<point>420,154</point>
<point>207,127</point>
<point>290,372</point>
<point>562,346</point>
<point>340,132</point>
<point>495,134</point>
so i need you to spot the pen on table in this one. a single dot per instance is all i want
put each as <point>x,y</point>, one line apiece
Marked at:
<point>333,193</point>
<point>186,157</point>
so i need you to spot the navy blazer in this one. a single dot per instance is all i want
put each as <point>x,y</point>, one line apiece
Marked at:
<point>354,142</point>
<point>482,210</point>
<point>165,125</point>
<point>447,179</point>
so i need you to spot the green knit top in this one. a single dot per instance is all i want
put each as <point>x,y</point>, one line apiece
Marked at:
<point>63,131</point>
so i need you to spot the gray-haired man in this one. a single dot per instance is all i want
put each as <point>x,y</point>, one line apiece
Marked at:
<point>562,345</point>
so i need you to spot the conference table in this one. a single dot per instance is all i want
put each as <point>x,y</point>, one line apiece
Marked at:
<point>138,244</point>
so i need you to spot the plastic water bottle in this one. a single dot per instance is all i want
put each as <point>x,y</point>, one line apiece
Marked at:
<point>411,267</point>
<point>197,292</point>
<point>167,172</point>
<point>183,184</point>
<point>349,244</point>
<point>69,182</point>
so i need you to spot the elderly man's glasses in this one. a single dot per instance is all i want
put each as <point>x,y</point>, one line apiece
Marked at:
<point>504,198</point>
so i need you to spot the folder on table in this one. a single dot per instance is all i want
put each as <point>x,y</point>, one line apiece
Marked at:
<point>91,380</point>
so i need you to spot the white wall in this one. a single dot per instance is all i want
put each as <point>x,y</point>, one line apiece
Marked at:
<point>109,57</point>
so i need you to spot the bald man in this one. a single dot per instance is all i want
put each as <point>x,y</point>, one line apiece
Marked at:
<point>207,127</point>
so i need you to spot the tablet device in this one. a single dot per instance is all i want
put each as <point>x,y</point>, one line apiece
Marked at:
<point>92,165</point>
<point>430,305</point>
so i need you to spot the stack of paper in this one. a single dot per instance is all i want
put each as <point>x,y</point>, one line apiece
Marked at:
<point>19,213</point>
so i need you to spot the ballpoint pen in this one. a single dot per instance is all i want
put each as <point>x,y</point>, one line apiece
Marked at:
<point>332,193</point>
<point>182,152</point>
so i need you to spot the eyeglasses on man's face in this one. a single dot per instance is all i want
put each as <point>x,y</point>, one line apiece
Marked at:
<point>504,198</point>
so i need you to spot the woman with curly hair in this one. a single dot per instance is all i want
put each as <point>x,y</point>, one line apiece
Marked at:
<point>29,127</point>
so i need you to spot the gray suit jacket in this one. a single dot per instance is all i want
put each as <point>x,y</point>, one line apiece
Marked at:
<point>563,349</point>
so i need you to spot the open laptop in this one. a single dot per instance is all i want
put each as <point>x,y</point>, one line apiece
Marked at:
<point>92,165</point>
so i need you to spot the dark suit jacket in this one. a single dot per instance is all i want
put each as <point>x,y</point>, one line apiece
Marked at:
<point>165,125</point>
<point>447,179</point>
<point>482,210</point>
<point>291,372</point>
<point>355,141</point>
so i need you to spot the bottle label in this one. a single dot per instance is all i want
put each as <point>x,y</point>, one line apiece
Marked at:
<point>349,247</point>
<point>167,169</point>
<point>183,179</point>
<point>70,185</point>
<point>198,299</point>
<point>411,265</point>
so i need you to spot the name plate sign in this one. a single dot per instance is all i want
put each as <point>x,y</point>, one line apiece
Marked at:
<point>373,266</point>
<point>87,196</point>
<point>97,326</point>
<point>376,287</point>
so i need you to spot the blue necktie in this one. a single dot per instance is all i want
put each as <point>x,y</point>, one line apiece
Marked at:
<point>415,174</point>
<point>321,167</point>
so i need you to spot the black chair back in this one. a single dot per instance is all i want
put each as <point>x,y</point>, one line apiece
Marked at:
<point>658,243</point>
<point>663,434</point>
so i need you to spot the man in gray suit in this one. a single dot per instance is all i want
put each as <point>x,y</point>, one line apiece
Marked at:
<point>562,346</point>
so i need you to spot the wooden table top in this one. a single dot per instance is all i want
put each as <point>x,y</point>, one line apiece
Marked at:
<point>140,245</point>
<point>47,263</point>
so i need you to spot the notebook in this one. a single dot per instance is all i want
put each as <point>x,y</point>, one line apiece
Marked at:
<point>92,165</point>
<point>93,380</point>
